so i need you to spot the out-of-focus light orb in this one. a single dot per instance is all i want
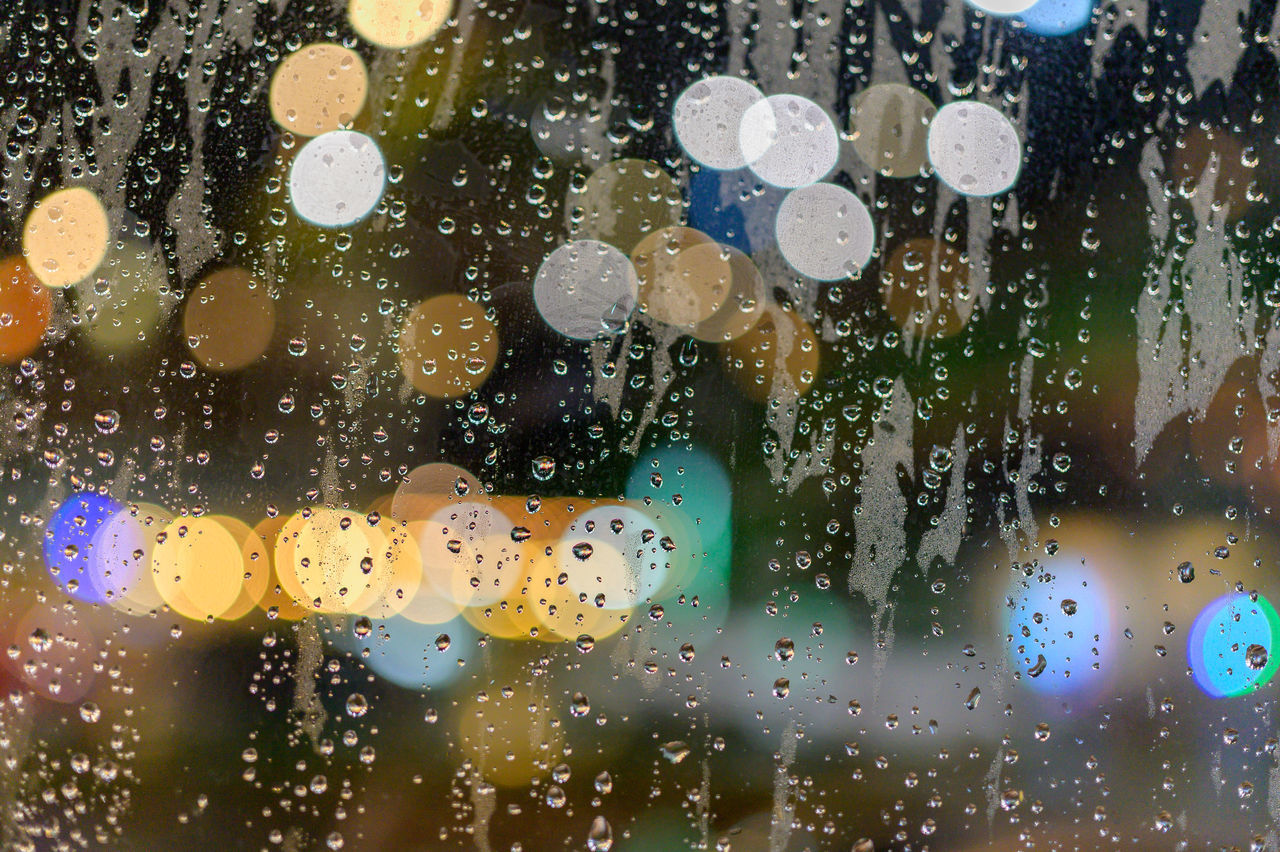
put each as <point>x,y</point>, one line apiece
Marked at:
<point>1232,646</point>
<point>337,178</point>
<point>318,88</point>
<point>742,308</point>
<point>1002,8</point>
<point>925,288</point>
<point>691,478</point>
<point>735,208</point>
<point>411,655</point>
<point>68,543</point>
<point>707,117</point>
<point>825,232</point>
<point>429,486</point>
<point>789,141</point>
<point>622,202</point>
<point>333,558</point>
<point>398,24</point>
<point>568,132</point>
<point>614,555</point>
<point>496,566</point>
<point>778,358</point>
<point>398,573</point>
<point>198,567</point>
<point>514,737</point>
<point>277,600</point>
<point>127,299</point>
<point>122,550</point>
<point>56,653</point>
<point>1057,17</point>
<point>256,562</point>
<point>684,276</point>
<point>447,346</point>
<point>890,124</point>
<point>65,236</point>
<point>974,148</point>
<point>586,289</point>
<point>1061,627</point>
<point>25,308</point>
<point>228,320</point>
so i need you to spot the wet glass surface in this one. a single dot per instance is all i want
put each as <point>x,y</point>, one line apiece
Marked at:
<point>639,425</point>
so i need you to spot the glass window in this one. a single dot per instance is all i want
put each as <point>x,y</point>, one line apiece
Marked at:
<point>633,426</point>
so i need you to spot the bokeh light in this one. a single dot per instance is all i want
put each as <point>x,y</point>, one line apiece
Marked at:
<point>1057,17</point>
<point>447,346</point>
<point>337,178</point>
<point>68,543</point>
<point>586,289</point>
<point>622,202</point>
<point>684,276</point>
<point>128,298</point>
<point>25,308</point>
<point>512,737</point>
<point>614,555</point>
<point>825,232</point>
<point>54,652</point>
<point>398,24</point>
<point>777,358</point>
<point>228,320</point>
<point>411,655</point>
<point>1002,8</point>
<point>1061,626</point>
<point>121,551</point>
<point>925,288</point>
<point>789,141</point>
<point>707,117</point>
<point>318,88</point>
<point>742,308</point>
<point>198,566</point>
<point>890,128</point>
<point>65,236</point>
<point>974,148</point>
<point>1231,647</point>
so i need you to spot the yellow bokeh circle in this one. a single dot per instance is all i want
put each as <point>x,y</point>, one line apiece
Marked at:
<point>318,88</point>
<point>65,236</point>
<point>398,24</point>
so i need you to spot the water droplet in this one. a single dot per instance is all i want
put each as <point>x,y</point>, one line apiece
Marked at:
<point>544,467</point>
<point>675,751</point>
<point>107,421</point>
<point>600,836</point>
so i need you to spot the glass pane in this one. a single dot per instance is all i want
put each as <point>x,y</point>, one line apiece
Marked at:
<point>759,425</point>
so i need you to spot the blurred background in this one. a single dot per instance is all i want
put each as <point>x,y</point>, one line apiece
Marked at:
<point>639,426</point>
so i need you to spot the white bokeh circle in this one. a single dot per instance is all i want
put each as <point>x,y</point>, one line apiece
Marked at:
<point>1002,8</point>
<point>586,289</point>
<point>825,232</point>
<point>337,178</point>
<point>974,148</point>
<point>788,141</point>
<point>707,118</point>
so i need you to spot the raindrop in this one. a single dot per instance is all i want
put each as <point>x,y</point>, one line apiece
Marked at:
<point>357,705</point>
